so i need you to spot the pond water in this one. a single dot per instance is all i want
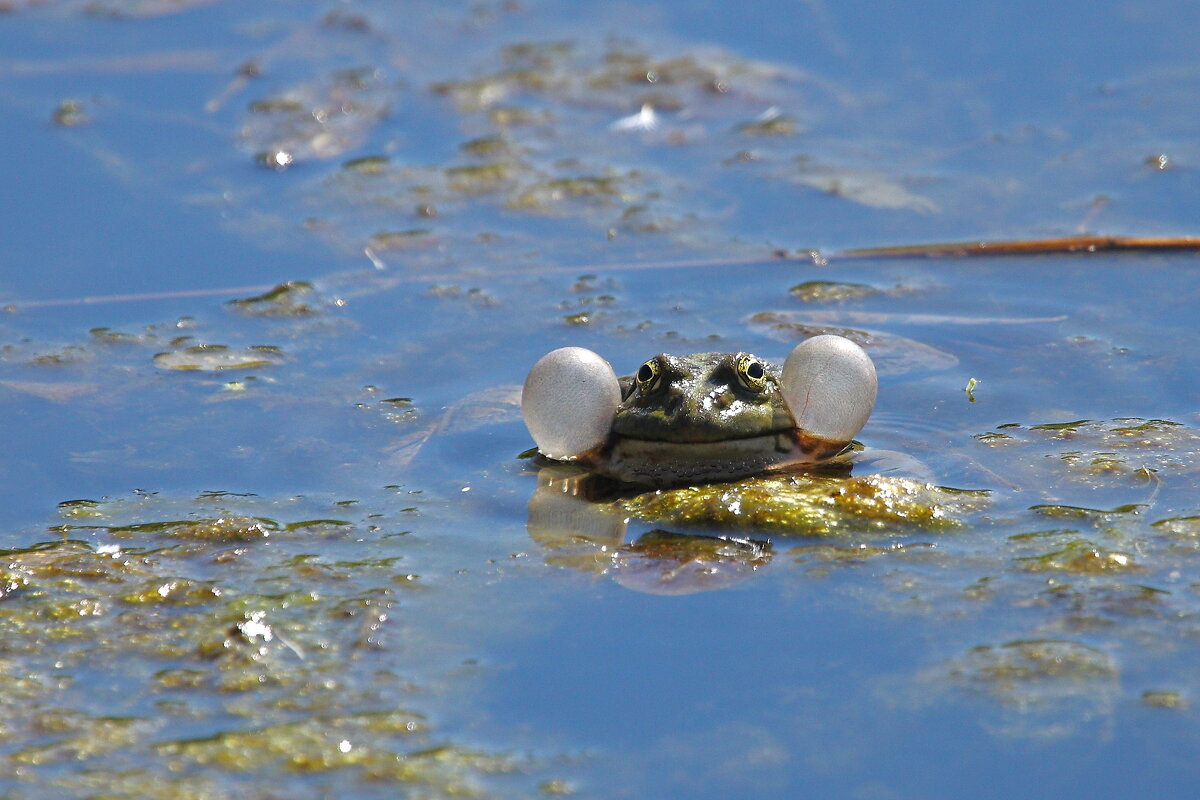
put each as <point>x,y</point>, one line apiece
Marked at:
<point>272,270</point>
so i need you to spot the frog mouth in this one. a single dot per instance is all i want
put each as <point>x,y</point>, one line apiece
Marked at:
<point>656,462</point>
<point>691,437</point>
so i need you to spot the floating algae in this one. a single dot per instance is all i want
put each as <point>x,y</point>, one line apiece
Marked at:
<point>218,357</point>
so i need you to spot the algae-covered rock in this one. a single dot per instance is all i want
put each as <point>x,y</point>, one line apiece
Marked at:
<point>808,504</point>
<point>738,525</point>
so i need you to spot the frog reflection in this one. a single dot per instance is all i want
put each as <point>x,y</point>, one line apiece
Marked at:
<point>580,528</point>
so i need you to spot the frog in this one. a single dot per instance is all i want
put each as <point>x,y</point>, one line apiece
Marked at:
<point>701,418</point>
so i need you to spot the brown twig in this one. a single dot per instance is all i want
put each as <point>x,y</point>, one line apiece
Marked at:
<point>972,249</point>
<point>1028,247</point>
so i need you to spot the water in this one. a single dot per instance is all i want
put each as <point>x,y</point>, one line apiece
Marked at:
<point>320,574</point>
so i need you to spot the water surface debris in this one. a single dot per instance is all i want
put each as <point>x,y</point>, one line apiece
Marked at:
<point>1028,247</point>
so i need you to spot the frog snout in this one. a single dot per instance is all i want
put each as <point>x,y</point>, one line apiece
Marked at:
<point>722,399</point>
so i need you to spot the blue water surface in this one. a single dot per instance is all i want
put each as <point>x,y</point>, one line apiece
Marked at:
<point>504,210</point>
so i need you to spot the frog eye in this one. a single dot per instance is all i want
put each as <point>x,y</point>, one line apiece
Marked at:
<point>568,402</point>
<point>829,384</point>
<point>751,373</point>
<point>647,375</point>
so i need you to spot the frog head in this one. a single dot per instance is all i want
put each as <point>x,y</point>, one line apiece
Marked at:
<point>703,417</point>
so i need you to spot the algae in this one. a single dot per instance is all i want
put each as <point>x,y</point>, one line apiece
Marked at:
<point>239,653</point>
<point>831,291</point>
<point>218,357</point>
<point>1126,451</point>
<point>1081,556</point>
<point>71,113</point>
<point>288,299</point>
<point>1160,698</point>
<point>809,504</point>
<point>230,628</point>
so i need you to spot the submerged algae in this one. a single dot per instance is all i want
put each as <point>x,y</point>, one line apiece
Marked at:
<point>1081,556</point>
<point>1004,667</point>
<point>542,127</point>
<point>1046,688</point>
<point>229,646</point>
<point>831,291</point>
<point>1101,452</point>
<point>288,299</point>
<point>217,357</point>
